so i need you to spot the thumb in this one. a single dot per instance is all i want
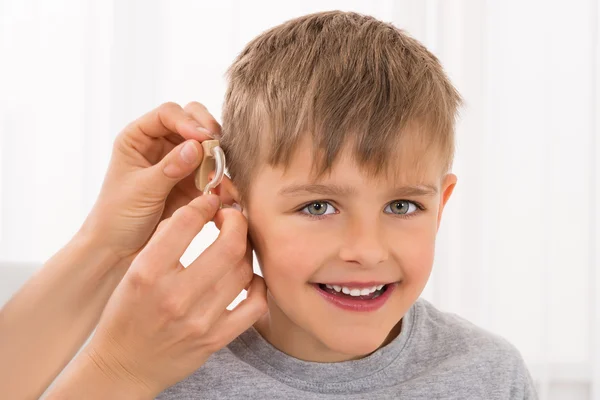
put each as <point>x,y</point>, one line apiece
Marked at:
<point>176,165</point>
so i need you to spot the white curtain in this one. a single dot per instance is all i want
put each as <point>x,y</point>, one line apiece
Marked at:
<point>518,249</point>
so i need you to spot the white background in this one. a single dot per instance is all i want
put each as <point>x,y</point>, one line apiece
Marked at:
<point>518,248</point>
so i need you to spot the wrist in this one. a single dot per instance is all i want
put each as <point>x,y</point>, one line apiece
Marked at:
<point>113,373</point>
<point>91,376</point>
<point>91,242</point>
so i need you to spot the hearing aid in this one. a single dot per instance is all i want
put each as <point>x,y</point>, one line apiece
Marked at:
<point>213,160</point>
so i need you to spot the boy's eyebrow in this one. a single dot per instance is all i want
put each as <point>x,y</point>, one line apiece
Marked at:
<point>336,190</point>
<point>418,190</point>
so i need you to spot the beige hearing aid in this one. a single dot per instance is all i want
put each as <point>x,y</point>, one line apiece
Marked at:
<point>213,160</point>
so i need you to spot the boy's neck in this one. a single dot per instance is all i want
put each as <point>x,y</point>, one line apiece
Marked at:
<point>283,334</point>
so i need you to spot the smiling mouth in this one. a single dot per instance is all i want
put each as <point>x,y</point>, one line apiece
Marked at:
<point>350,293</point>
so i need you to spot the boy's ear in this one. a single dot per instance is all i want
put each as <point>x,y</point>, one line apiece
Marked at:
<point>447,187</point>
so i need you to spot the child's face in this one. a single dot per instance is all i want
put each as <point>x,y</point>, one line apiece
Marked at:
<point>344,230</point>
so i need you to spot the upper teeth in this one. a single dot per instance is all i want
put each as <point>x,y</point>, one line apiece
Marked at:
<point>355,291</point>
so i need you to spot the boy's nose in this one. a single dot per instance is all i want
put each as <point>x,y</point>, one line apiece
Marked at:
<point>363,244</point>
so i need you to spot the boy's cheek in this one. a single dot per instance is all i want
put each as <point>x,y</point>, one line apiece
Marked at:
<point>290,257</point>
<point>283,251</point>
<point>418,270</point>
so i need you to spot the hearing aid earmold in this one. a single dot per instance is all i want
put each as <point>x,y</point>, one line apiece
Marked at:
<point>213,160</point>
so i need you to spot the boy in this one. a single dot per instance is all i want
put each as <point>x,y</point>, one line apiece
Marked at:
<point>339,136</point>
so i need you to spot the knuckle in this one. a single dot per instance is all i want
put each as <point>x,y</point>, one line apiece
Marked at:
<point>121,137</point>
<point>214,126</point>
<point>126,138</point>
<point>188,217</point>
<point>169,107</point>
<point>198,327</point>
<point>173,307</point>
<point>141,279</point>
<point>235,247</point>
<point>235,225</point>
<point>194,104</point>
<point>202,208</point>
<point>162,224</point>
<point>182,213</point>
<point>260,307</point>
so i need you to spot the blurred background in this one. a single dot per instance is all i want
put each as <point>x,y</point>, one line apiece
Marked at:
<point>518,248</point>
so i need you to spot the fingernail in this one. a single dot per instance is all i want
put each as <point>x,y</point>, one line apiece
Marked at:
<point>189,153</point>
<point>206,132</point>
<point>237,207</point>
<point>213,200</point>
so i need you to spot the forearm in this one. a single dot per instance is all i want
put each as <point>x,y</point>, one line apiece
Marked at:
<point>47,321</point>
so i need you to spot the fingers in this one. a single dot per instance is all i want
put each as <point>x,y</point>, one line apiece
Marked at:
<point>224,254</point>
<point>174,124</point>
<point>176,201</point>
<point>167,119</point>
<point>175,235</point>
<point>176,165</point>
<point>234,323</point>
<point>182,160</point>
<point>201,114</point>
<point>226,290</point>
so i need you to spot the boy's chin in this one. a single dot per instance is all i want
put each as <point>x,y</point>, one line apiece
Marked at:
<point>356,344</point>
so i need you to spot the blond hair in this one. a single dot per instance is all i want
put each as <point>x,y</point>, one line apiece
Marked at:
<point>342,78</point>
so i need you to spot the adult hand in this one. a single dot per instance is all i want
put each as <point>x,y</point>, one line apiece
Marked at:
<point>163,321</point>
<point>149,176</point>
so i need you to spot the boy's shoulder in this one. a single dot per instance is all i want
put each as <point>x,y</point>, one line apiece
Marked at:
<point>446,329</point>
<point>445,341</point>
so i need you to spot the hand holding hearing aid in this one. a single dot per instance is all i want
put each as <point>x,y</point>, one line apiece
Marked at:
<point>150,175</point>
<point>163,321</point>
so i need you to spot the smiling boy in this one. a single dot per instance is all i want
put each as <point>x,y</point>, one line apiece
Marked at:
<point>339,135</point>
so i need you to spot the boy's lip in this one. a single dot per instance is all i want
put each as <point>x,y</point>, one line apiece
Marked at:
<point>357,303</point>
<point>357,285</point>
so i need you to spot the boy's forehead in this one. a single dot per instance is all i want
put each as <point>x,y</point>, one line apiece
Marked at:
<point>409,163</point>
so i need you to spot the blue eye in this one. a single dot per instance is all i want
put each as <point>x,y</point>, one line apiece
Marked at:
<point>319,208</point>
<point>401,207</point>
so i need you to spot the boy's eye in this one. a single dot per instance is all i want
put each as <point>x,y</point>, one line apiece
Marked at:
<point>401,207</point>
<point>398,207</point>
<point>319,208</point>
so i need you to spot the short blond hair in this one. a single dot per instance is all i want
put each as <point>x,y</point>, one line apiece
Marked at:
<point>341,77</point>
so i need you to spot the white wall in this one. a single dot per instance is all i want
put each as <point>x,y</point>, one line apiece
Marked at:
<point>518,249</point>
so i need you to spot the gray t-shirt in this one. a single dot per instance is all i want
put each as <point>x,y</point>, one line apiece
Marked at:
<point>436,356</point>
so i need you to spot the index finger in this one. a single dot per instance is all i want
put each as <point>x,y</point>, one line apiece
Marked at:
<point>168,244</point>
<point>226,252</point>
<point>167,119</point>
